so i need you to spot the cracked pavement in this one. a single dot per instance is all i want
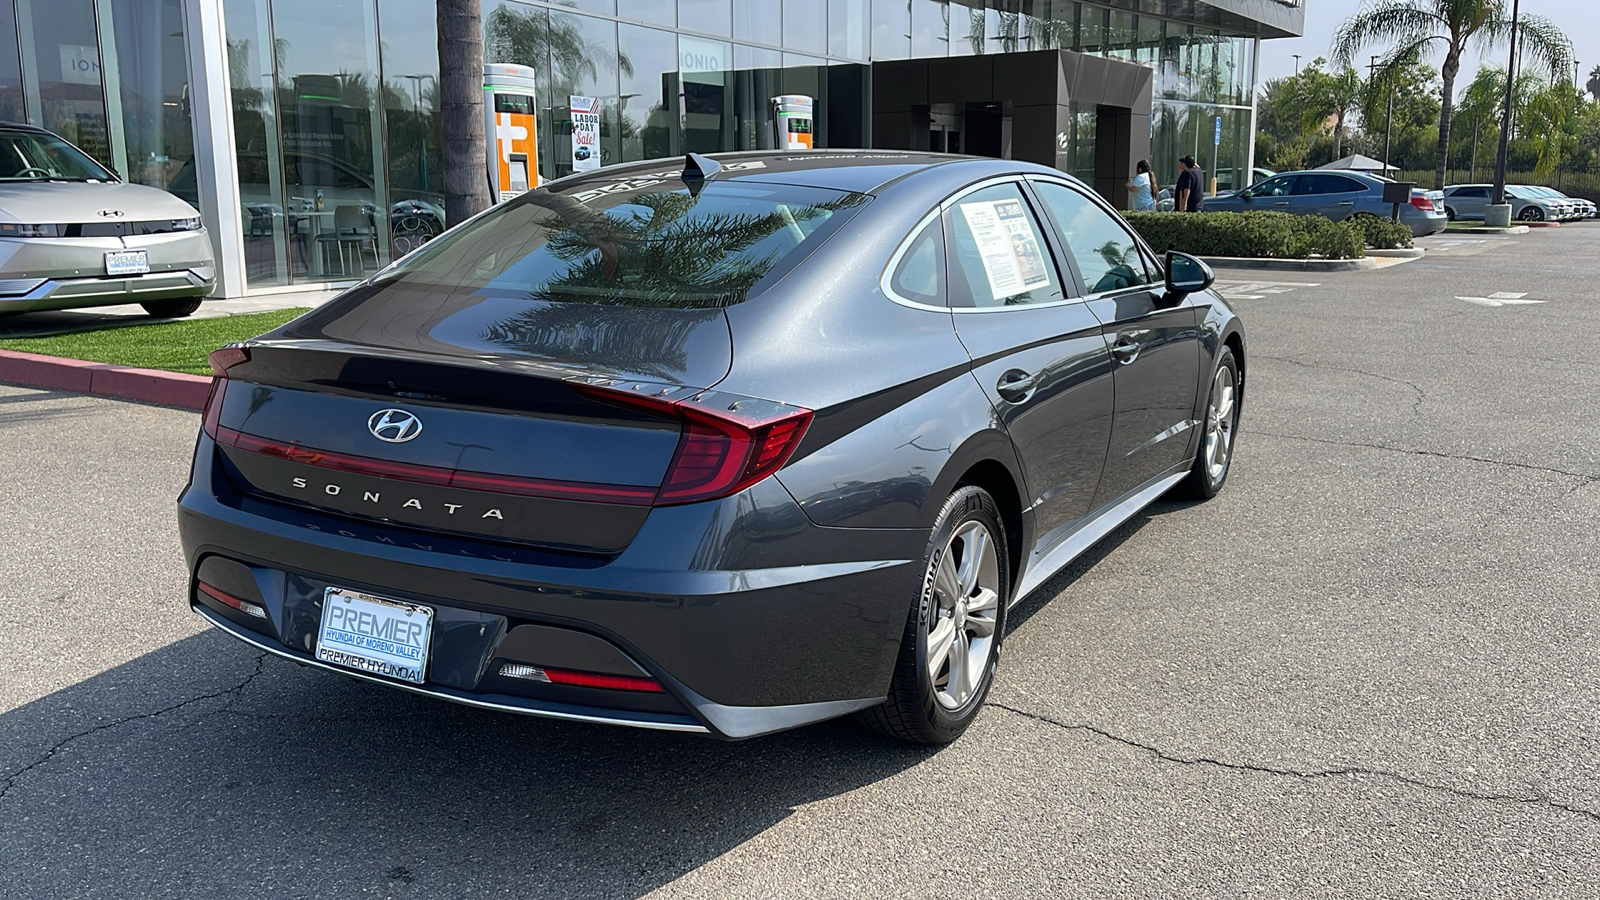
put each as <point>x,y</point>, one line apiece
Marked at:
<point>1368,669</point>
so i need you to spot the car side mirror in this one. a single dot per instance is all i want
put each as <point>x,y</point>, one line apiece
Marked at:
<point>1245,195</point>
<point>1187,274</point>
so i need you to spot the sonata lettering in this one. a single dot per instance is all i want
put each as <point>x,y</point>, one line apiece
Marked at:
<point>334,490</point>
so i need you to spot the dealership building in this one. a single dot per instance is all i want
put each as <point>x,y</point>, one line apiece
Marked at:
<point>307,131</point>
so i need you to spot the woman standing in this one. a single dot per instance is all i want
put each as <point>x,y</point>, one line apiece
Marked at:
<point>1143,187</point>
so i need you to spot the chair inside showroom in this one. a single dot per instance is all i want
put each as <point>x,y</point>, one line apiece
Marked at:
<point>351,237</point>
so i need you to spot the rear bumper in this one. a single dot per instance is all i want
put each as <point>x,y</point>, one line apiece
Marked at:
<point>751,618</point>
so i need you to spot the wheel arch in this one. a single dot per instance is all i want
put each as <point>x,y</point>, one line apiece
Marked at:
<point>987,460</point>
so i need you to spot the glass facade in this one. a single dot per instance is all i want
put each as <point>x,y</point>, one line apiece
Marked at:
<point>335,122</point>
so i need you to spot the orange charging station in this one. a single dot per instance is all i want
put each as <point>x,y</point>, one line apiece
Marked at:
<point>509,126</point>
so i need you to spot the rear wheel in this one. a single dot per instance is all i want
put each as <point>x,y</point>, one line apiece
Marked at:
<point>952,638</point>
<point>171,309</point>
<point>1449,214</point>
<point>1215,456</point>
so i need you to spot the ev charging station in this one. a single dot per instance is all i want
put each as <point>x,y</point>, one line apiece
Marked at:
<point>791,119</point>
<point>509,122</point>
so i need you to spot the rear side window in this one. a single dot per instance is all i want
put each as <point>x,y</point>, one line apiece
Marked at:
<point>920,275</point>
<point>1325,184</point>
<point>997,252</point>
<point>644,242</point>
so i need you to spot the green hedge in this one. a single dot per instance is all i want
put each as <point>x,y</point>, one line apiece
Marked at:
<point>1271,235</point>
<point>1383,234</point>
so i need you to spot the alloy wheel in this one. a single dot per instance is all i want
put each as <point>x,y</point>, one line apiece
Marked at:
<point>1220,421</point>
<point>1531,214</point>
<point>961,628</point>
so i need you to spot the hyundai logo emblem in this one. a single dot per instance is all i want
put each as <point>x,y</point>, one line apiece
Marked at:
<point>395,426</point>
<point>109,213</point>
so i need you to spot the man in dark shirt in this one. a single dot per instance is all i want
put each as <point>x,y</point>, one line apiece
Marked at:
<point>1190,188</point>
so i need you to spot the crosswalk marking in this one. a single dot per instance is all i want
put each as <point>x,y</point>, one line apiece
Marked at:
<point>1255,290</point>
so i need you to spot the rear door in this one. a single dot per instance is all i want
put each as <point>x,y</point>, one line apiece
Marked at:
<point>1468,202</point>
<point>1153,343</point>
<point>1037,353</point>
<point>1328,195</point>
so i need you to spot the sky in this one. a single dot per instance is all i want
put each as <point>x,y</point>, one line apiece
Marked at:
<point>1580,19</point>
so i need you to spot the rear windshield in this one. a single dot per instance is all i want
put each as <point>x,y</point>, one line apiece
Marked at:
<point>647,241</point>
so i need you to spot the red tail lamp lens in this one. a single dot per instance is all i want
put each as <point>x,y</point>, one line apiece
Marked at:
<point>720,452</point>
<point>227,599</point>
<point>1422,202</point>
<point>221,361</point>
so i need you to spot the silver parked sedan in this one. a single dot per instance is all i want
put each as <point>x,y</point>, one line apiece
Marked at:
<point>73,235</point>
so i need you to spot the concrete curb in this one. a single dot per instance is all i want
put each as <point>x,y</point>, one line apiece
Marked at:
<point>1399,253</point>
<point>1292,265</point>
<point>104,379</point>
<point>1514,229</point>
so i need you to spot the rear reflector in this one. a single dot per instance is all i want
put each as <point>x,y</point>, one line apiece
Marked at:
<point>227,599</point>
<point>582,679</point>
<point>725,446</point>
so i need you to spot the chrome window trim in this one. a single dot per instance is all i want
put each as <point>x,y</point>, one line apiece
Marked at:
<point>944,206</point>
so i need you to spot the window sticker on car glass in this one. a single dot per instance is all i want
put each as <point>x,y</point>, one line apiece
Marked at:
<point>1012,258</point>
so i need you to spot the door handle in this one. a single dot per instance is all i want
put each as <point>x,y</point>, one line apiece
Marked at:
<point>1347,203</point>
<point>1125,351</point>
<point>1015,385</point>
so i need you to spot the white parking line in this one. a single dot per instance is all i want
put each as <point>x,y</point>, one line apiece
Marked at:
<point>1502,298</point>
<point>1255,290</point>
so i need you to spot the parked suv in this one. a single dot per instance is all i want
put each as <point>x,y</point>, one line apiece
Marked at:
<point>1334,195</point>
<point>72,234</point>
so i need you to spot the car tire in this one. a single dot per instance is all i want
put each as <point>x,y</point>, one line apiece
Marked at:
<point>1531,214</point>
<point>951,643</point>
<point>171,309</point>
<point>1219,431</point>
<point>1449,214</point>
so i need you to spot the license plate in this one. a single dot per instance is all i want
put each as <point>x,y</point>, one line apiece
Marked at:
<point>127,262</point>
<point>376,635</point>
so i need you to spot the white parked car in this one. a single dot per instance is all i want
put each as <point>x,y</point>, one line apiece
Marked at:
<point>72,234</point>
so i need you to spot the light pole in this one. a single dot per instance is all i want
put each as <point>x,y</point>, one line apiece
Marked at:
<point>1296,64</point>
<point>1499,197</point>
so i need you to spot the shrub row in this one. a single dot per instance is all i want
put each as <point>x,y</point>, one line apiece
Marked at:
<point>1271,235</point>
<point>1383,234</point>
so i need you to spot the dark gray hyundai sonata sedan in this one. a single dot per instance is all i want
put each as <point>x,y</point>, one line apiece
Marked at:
<point>729,445</point>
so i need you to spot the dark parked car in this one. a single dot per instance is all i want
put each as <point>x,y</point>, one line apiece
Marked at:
<point>723,446</point>
<point>1334,195</point>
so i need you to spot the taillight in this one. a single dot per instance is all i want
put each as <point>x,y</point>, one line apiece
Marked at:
<point>727,442</point>
<point>1422,202</point>
<point>221,361</point>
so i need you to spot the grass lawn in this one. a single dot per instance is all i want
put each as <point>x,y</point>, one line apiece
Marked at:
<point>174,346</point>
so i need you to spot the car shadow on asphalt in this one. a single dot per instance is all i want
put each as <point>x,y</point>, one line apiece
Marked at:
<point>15,409</point>
<point>297,782</point>
<point>1018,615</point>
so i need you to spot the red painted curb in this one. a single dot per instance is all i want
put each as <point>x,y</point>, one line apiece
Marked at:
<point>104,380</point>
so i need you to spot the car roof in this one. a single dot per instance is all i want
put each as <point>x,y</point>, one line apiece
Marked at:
<point>860,171</point>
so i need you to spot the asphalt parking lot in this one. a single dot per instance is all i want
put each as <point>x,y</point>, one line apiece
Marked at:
<point>1369,668</point>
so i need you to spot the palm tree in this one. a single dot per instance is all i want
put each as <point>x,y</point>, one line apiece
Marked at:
<point>466,185</point>
<point>1593,84</point>
<point>1418,27</point>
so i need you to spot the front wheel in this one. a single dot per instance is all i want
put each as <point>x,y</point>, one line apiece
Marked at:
<point>1531,214</point>
<point>1215,456</point>
<point>171,309</point>
<point>952,637</point>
